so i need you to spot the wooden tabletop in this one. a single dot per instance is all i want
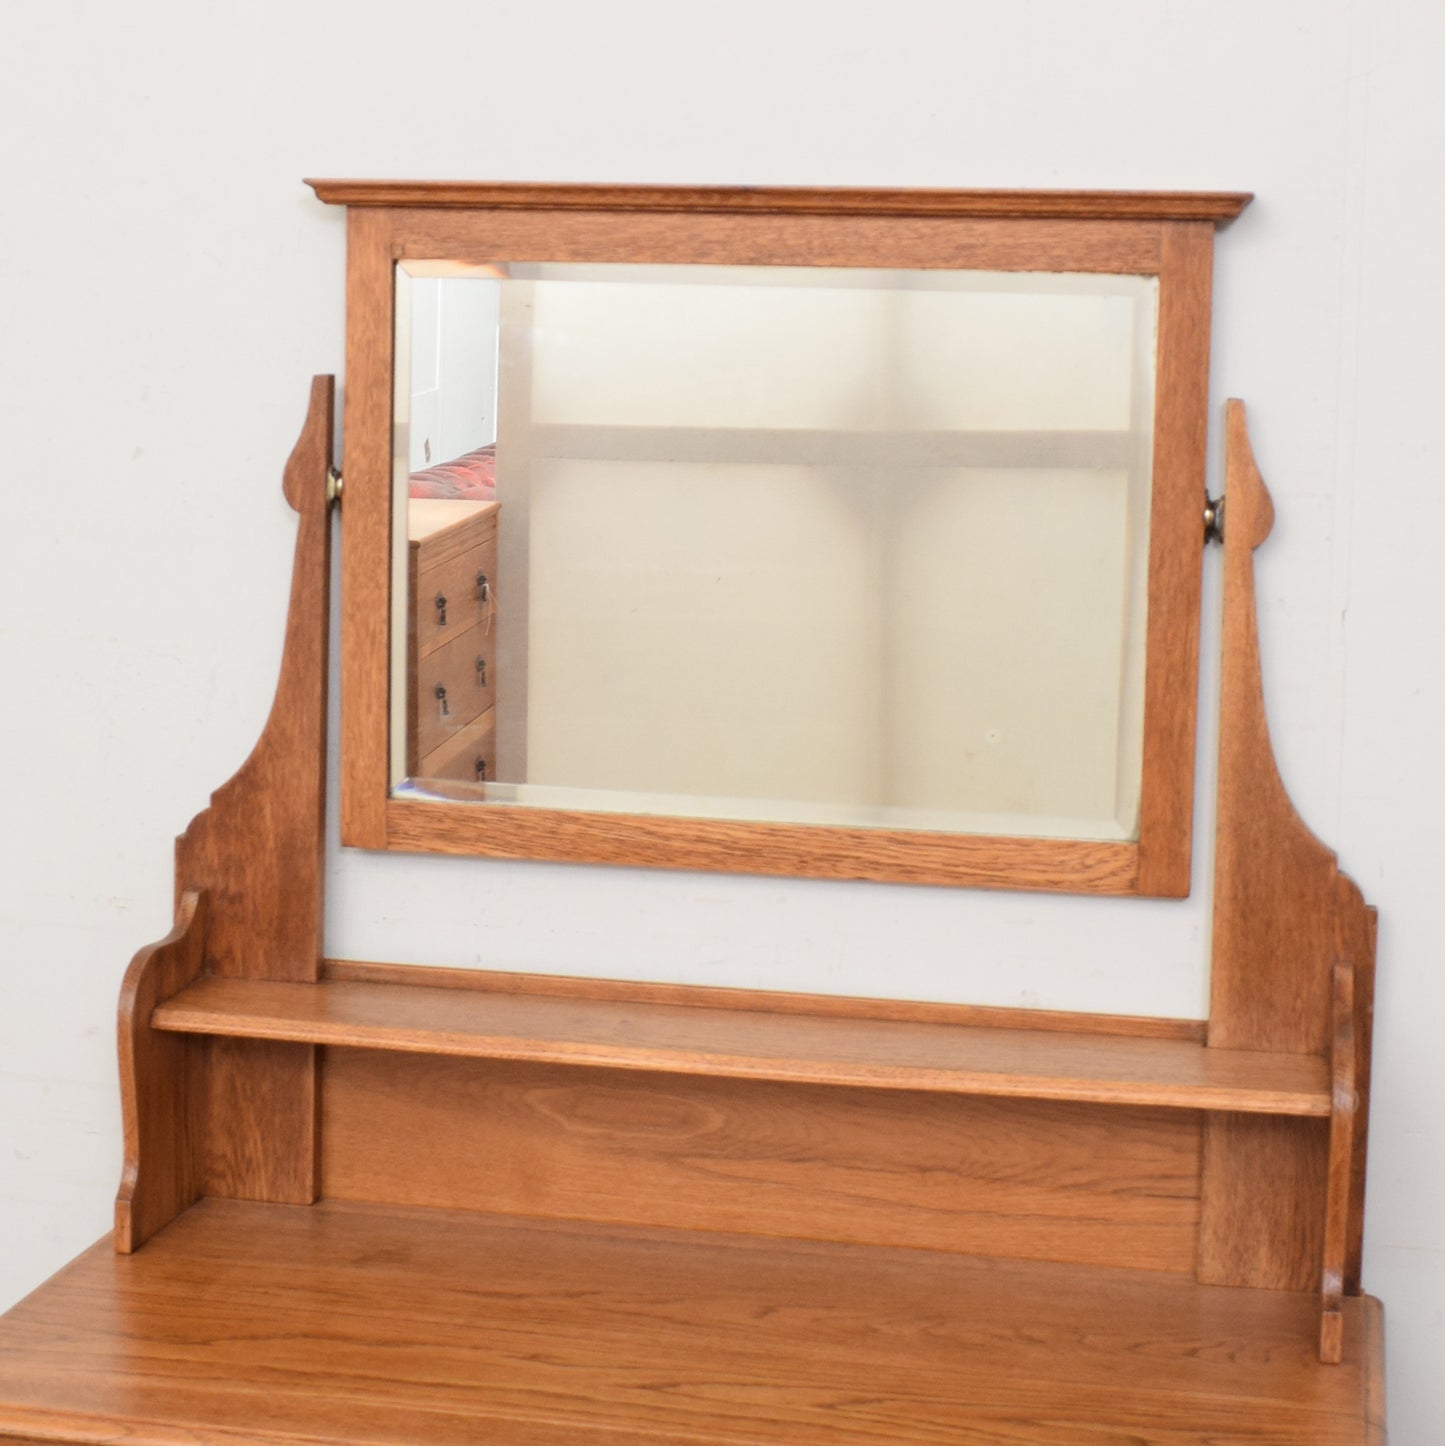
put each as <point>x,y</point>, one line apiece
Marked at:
<point>383,1325</point>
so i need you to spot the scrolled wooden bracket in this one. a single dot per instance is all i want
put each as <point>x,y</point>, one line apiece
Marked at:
<point>162,1084</point>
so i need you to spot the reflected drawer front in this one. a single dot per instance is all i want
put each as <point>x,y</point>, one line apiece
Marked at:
<point>454,595</point>
<point>468,757</point>
<point>454,684</point>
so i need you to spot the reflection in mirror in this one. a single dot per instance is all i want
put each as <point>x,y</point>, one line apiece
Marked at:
<point>823,546</point>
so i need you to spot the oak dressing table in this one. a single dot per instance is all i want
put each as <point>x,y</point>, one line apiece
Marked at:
<point>381,1204</point>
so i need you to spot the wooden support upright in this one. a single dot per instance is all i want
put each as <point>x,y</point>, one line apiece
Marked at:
<point>257,850</point>
<point>162,1086</point>
<point>249,906</point>
<point>1345,1101</point>
<point>1284,918</point>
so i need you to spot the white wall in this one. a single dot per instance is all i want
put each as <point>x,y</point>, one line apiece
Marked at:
<point>868,631</point>
<point>453,364</point>
<point>168,287</point>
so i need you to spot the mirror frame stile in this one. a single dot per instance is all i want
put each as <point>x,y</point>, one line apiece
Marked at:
<point>1168,235</point>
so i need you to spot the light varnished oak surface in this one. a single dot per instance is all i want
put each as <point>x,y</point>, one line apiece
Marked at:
<point>1285,918</point>
<point>267,1323</point>
<point>797,1048</point>
<point>1013,1179</point>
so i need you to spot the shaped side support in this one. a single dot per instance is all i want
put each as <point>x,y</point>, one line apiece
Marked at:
<point>238,1117</point>
<point>1282,1199</point>
<point>162,1086</point>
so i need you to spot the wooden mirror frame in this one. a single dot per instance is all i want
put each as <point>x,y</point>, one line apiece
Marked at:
<point>1168,235</point>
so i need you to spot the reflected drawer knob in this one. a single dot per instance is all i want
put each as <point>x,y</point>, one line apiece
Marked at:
<point>441,611</point>
<point>481,672</point>
<point>484,588</point>
<point>441,696</point>
<point>481,770</point>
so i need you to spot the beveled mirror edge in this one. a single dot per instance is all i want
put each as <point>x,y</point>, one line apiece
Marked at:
<point>391,220</point>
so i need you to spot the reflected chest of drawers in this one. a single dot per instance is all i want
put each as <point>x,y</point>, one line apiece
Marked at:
<point>451,639</point>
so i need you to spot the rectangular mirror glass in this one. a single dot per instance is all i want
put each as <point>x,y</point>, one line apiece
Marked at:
<point>803,545</point>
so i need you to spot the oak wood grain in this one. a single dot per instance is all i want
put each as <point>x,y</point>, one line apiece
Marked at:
<point>1281,910</point>
<point>262,1120</point>
<point>1006,1178</point>
<point>1339,1181</point>
<point>792,200</point>
<point>704,996</point>
<point>1262,1201</point>
<point>788,850</point>
<point>162,1085</point>
<point>257,854</point>
<point>257,850</point>
<point>366,535</point>
<point>372,1325</point>
<point>878,1054</point>
<point>1372,1354</point>
<point>1283,915</point>
<point>1171,670</point>
<point>1357,942</point>
<point>681,239</point>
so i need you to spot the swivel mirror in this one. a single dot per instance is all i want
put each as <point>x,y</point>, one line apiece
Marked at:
<point>834,533</point>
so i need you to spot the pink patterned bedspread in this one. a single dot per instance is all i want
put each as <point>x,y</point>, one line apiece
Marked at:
<point>473,476</point>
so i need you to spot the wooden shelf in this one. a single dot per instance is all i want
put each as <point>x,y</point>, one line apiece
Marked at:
<point>380,1324</point>
<point>736,1043</point>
